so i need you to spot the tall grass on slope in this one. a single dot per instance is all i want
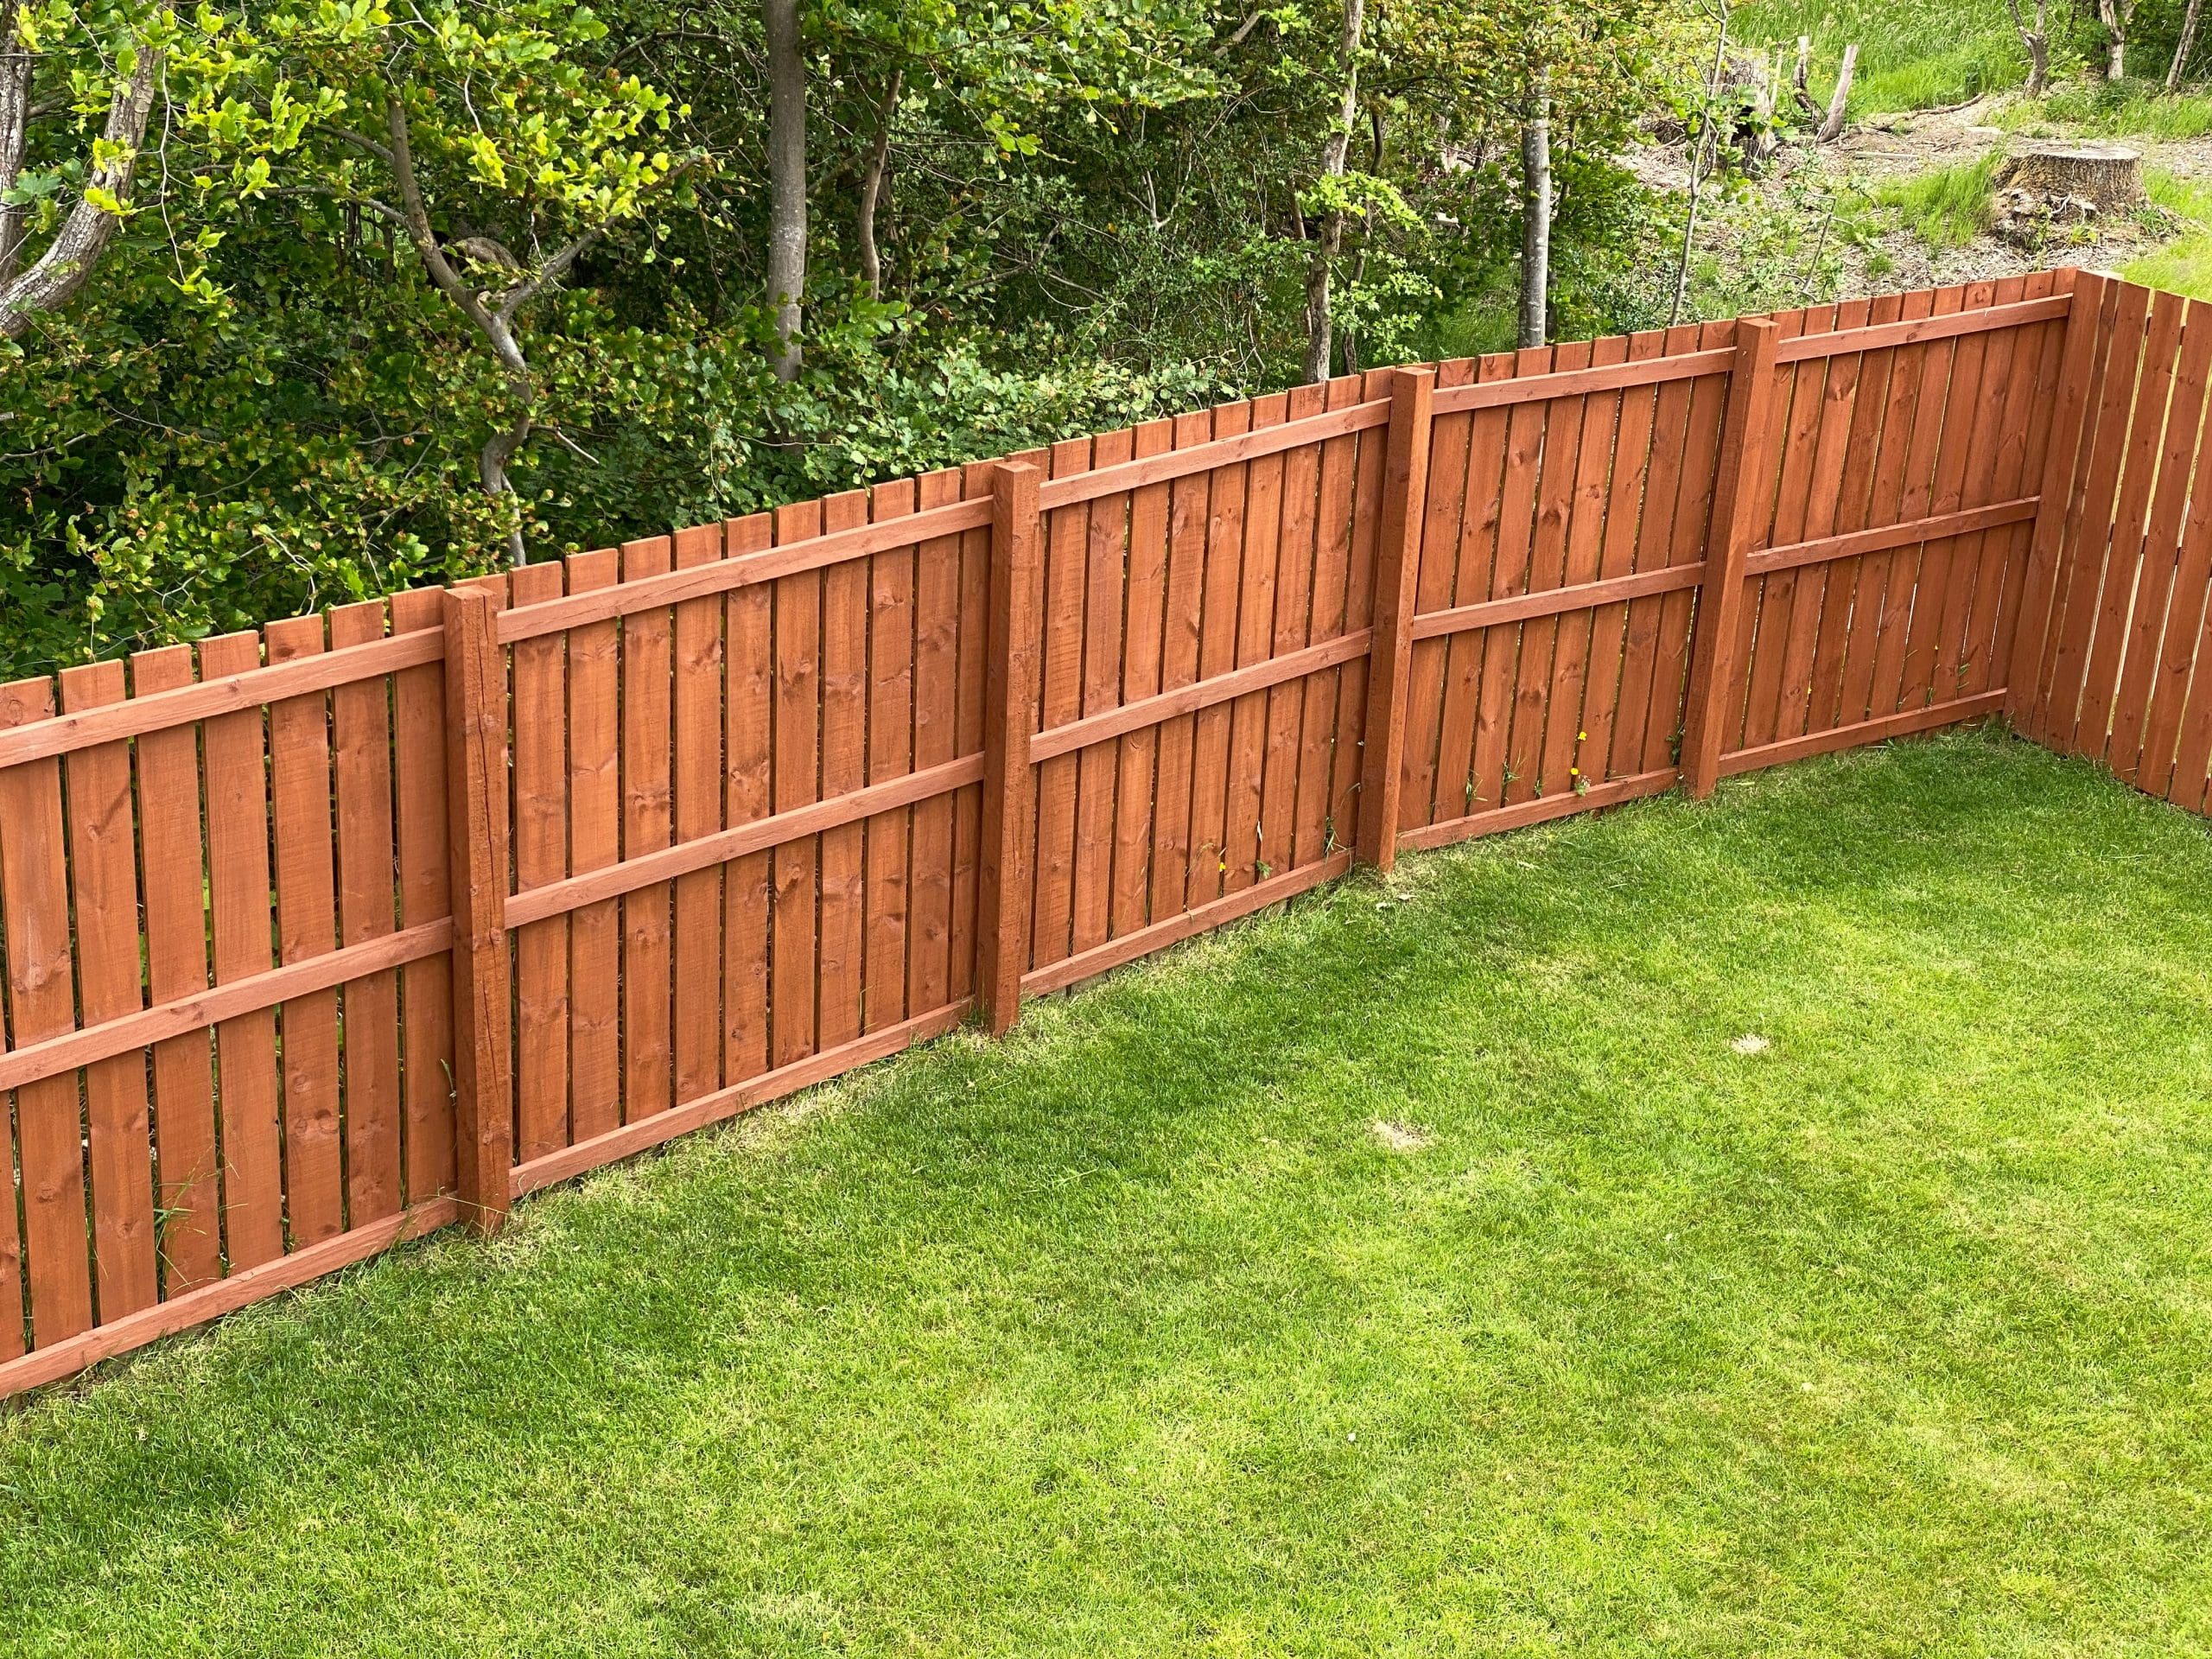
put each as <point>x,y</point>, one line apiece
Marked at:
<point>1913,54</point>
<point>1949,207</point>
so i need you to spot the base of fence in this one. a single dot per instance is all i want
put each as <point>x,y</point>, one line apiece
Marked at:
<point>1954,713</point>
<point>212,1301</point>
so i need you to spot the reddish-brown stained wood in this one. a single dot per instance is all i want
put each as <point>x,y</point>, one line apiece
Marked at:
<point>890,677</point>
<point>936,741</point>
<point>1010,705</point>
<point>1799,407</point>
<point>648,822</point>
<point>1398,564</point>
<point>1663,488</point>
<point>1933,406</point>
<point>1564,699</point>
<point>1981,316</point>
<point>34,902</point>
<point>1739,502</point>
<point>1105,558</point>
<point>2072,430</point>
<point>1294,559</point>
<point>1332,532</point>
<point>844,768</point>
<point>103,881</point>
<point>1254,638</point>
<point>1555,507</point>
<point>1465,451</point>
<point>361,724</point>
<point>794,870</point>
<point>1447,785</point>
<point>540,850</point>
<point>2124,562</point>
<point>419,701</point>
<point>695,1035</point>
<point>1491,771</point>
<point>298,773</point>
<point>1349,754</point>
<point>1841,610</point>
<point>190,1244</point>
<point>1067,535</point>
<point>977,482</point>
<point>1840,423</point>
<point>238,887</point>
<point>1209,757</point>
<point>1145,596</point>
<point>749,651</point>
<point>1692,515</point>
<point>1625,505</point>
<point>595,841</point>
<point>2031,412</point>
<point>476,799</point>
<point>1172,856</point>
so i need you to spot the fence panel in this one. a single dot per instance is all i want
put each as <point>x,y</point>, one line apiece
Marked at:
<point>748,805</point>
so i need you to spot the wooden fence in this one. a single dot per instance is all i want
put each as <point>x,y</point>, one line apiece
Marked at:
<point>320,937</point>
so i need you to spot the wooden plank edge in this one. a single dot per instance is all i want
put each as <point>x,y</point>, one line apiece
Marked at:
<point>228,694</point>
<point>1130,946</point>
<point>1965,521</point>
<point>1170,464</point>
<point>1202,694</point>
<point>1575,382</point>
<point>762,835</point>
<point>1864,733</point>
<point>1914,330</point>
<point>1552,602</point>
<point>35,1062</point>
<point>1542,809</point>
<point>212,1301</point>
<point>647,1133</point>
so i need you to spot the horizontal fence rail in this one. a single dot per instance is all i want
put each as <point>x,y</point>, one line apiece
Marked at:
<point>322,938</point>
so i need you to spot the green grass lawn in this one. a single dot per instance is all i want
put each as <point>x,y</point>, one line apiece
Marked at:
<point>1133,1334</point>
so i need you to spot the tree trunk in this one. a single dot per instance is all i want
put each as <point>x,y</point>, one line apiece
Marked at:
<point>2108,175</point>
<point>1320,324</point>
<point>67,264</point>
<point>2115,15</point>
<point>786,179</point>
<point>2182,48</point>
<point>1839,100</point>
<point>872,175</point>
<point>15,127</point>
<point>1536,210</point>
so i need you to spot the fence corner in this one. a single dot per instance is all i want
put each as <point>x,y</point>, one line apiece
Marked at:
<point>1397,567</point>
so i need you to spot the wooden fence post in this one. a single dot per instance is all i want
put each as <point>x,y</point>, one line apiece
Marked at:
<point>1739,491</point>
<point>1009,700</point>
<point>1397,567</point>
<point>2055,493</point>
<point>476,808</point>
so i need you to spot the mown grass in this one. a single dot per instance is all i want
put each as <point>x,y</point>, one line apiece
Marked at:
<point>1133,1335</point>
<point>1913,54</point>
<point>1948,206</point>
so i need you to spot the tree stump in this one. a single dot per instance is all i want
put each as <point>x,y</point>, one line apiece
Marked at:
<point>2107,176</point>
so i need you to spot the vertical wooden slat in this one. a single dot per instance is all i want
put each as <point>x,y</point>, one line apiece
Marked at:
<point>1571,668</point>
<point>1931,404</point>
<point>935,739</point>
<point>1142,636</point>
<point>1348,756</point>
<point>1294,628</point>
<point>1832,451</point>
<point>104,874</point>
<point>1692,518</point>
<point>1105,562</point>
<point>978,479</point>
<point>1254,637</point>
<point>1216,655</point>
<point>239,889</point>
<point>844,769</point>
<point>2030,410</point>
<point>648,1071</point>
<point>1459,533</point>
<point>1333,532</point>
<point>418,702</point>
<point>594,842</point>
<point>1016,613</point>
<point>1555,507</point>
<point>1398,564</point>
<point>1483,781</point>
<point>169,851</point>
<point>307,925</point>
<point>750,653</point>
<point>360,715</point>
<point>2063,461</point>
<point>1625,506</point>
<point>890,754</point>
<point>1171,852</point>
<point>1738,500</point>
<point>476,795</point>
<point>541,847</point>
<point>34,902</point>
<point>1067,535</point>
<point>796,865</point>
<point>697,1037</point>
<point>1663,487</point>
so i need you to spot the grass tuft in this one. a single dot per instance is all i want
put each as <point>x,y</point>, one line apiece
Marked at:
<point>1948,207</point>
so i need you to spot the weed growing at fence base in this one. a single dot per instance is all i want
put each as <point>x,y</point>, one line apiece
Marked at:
<point>1884,1333</point>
